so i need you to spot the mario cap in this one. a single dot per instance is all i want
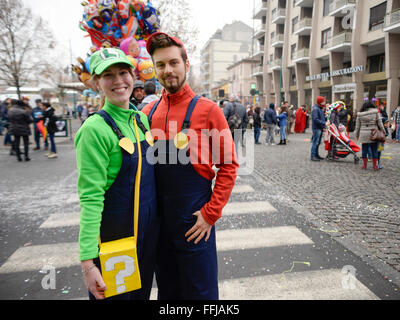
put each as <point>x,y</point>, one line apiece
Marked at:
<point>104,58</point>
<point>175,40</point>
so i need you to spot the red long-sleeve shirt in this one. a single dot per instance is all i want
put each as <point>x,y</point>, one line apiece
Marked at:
<point>210,143</point>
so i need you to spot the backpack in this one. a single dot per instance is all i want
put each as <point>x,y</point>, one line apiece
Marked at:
<point>234,121</point>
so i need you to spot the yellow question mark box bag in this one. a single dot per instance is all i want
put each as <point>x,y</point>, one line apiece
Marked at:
<point>118,259</point>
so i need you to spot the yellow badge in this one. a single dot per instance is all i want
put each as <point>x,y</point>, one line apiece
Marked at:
<point>181,141</point>
<point>127,145</point>
<point>149,138</point>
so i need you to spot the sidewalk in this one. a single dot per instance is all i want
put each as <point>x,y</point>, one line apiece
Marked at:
<point>358,206</point>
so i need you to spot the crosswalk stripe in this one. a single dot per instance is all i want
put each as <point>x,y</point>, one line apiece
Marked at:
<point>61,220</point>
<point>260,238</point>
<point>310,285</point>
<point>245,188</point>
<point>248,207</point>
<point>29,258</point>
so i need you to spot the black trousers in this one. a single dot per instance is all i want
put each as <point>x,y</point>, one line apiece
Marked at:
<point>17,141</point>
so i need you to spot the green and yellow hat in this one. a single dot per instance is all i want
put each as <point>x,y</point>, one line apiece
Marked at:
<point>104,58</point>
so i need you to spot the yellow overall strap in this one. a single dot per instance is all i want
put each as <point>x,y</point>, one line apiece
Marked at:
<point>137,186</point>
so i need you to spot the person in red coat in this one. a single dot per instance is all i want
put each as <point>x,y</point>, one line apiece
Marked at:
<point>301,120</point>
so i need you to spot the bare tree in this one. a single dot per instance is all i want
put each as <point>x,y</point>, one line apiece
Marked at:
<point>25,41</point>
<point>176,20</point>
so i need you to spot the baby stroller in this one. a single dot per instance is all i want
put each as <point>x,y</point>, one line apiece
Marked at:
<point>340,146</point>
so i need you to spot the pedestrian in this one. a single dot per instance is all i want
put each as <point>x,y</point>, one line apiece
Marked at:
<point>236,115</point>
<point>20,118</point>
<point>85,113</point>
<point>270,123</point>
<point>282,118</point>
<point>396,122</point>
<point>138,93</point>
<point>368,119</point>
<point>110,150</point>
<point>257,124</point>
<point>290,118</point>
<point>150,91</point>
<point>318,127</point>
<point>187,266</point>
<point>50,120</point>
<point>37,115</point>
<point>381,145</point>
<point>4,117</point>
<point>301,119</point>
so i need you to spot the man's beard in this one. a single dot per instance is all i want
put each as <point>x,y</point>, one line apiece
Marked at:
<point>172,89</point>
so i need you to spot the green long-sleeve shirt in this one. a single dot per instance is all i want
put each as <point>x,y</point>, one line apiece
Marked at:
<point>99,160</point>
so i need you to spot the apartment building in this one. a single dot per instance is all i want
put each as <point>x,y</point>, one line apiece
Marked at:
<point>227,46</point>
<point>341,49</point>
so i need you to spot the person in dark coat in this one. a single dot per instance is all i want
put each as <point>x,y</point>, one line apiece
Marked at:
<point>50,123</point>
<point>19,117</point>
<point>318,126</point>
<point>257,124</point>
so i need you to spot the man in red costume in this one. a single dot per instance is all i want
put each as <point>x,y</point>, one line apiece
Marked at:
<point>187,265</point>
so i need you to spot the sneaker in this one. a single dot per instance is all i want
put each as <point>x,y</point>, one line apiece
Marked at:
<point>52,155</point>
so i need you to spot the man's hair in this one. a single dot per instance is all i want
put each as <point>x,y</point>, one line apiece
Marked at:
<point>163,41</point>
<point>149,87</point>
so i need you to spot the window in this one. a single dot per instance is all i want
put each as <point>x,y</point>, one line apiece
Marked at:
<point>294,22</point>
<point>292,51</point>
<point>325,37</point>
<point>377,16</point>
<point>376,64</point>
<point>327,4</point>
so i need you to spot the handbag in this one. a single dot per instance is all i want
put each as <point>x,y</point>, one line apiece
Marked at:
<point>118,259</point>
<point>377,135</point>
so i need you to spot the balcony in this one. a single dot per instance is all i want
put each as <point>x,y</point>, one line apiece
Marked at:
<point>279,16</point>
<point>260,31</point>
<point>392,22</point>
<point>277,41</point>
<point>340,8</point>
<point>260,11</point>
<point>301,56</point>
<point>303,27</point>
<point>275,64</point>
<point>257,71</point>
<point>258,52</point>
<point>341,42</point>
<point>304,3</point>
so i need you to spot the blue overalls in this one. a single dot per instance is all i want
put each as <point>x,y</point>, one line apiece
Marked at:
<point>184,271</point>
<point>117,216</point>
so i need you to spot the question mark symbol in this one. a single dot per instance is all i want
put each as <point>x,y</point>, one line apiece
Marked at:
<point>121,275</point>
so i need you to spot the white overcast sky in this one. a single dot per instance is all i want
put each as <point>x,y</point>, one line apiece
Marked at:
<point>63,17</point>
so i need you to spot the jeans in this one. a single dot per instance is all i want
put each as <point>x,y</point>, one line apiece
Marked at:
<point>37,136</point>
<point>52,143</point>
<point>283,132</point>
<point>316,140</point>
<point>257,132</point>
<point>270,133</point>
<point>373,147</point>
<point>398,132</point>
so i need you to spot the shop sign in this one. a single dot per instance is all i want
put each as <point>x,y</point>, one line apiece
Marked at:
<point>347,87</point>
<point>336,73</point>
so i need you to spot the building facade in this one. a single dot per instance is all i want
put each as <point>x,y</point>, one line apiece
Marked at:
<point>228,45</point>
<point>340,49</point>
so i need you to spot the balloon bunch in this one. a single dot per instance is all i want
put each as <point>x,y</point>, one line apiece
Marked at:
<point>115,20</point>
<point>126,24</point>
